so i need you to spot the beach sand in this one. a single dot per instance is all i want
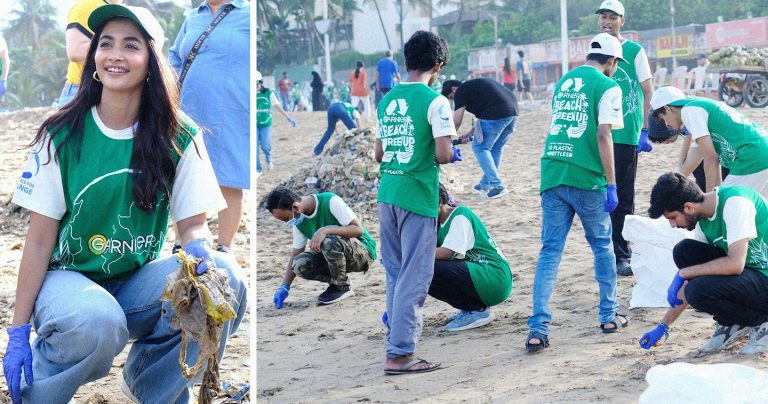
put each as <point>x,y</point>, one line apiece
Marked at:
<point>17,129</point>
<point>309,353</point>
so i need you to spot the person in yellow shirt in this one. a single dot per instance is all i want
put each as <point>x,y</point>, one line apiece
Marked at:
<point>78,39</point>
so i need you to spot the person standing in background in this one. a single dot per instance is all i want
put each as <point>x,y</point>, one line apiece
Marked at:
<point>524,77</point>
<point>317,92</point>
<point>78,39</point>
<point>218,102</point>
<point>386,73</point>
<point>5,65</point>
<point>284,85</point>
<point>508,78</point>
<point>358,79</point>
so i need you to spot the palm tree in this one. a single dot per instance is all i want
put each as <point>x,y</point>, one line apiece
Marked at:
<point>31,21</point>
<point>381,21</point>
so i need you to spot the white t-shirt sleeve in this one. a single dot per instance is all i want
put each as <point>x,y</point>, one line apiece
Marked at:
<point>299,241</point>
<point>440,117</point>
<point>341,211</point>
<point>695,121</point>
<point>609,109</point>
<point>273,99</point>
<point>642,67</point>
<point>195,188</point>
<point>40,188</point>
<point>460,237</point>
<point>739,216</point>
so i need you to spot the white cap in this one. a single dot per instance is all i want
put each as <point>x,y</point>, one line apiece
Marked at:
<point>139,15</point>
<point>611,5</point>
<point>257,75</point>
<point>668,96</point>
<point>606,44</point>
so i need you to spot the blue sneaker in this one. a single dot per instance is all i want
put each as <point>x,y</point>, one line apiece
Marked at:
<point>480,189</point>
<point>466,320</point>
<point>497,192</point>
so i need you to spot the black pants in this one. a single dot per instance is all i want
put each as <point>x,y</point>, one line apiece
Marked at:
<point>452,284</point>
<point>625,166</point>
<point>731,299</point>
<point>701,178</point>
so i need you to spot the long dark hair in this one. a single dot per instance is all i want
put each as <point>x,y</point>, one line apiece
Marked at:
<point>357,71</point>
<point>160,125</point>
<point>507,66</point>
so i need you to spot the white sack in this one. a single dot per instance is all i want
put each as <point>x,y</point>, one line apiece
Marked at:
<point>652,264</point>
<point>682,382</point>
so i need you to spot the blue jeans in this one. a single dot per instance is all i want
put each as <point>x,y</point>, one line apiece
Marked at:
<point>263,142</point>
<point>284,97</point>
<point>408,253</point>
<point>68,93</point>
<point>82,325</point>
<point>335,113</point>
<point>489,151</point>
<point>558,206</point>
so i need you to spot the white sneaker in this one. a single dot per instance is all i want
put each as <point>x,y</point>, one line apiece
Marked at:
<point>127,391</point>
<point>724,336</point>
<point>758,340</point>
<point>271,166</point>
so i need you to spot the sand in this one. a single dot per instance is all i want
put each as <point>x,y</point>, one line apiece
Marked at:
<point>16,130</point>
<point>309,353</point>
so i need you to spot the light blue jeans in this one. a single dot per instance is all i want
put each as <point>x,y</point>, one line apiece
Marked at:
<point>82,325</point>
<point>263,142</point>
<point>558,206</point>
<point>408,253</point>
<point>335,113</point>
<point>488,152</point>
<point>68,93</point>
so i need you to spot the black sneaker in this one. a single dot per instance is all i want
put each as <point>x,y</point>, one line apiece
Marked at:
<point>334,293</point>
<point>623,268</point>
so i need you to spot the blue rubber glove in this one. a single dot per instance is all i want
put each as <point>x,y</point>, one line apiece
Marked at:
<point>644,145</point>
<point>280,295</point>
<point>18,355</point>
<point>292,122</point>
<point>385,319</point>
<point>611,198</point>
<point>650,338</point>
<point>674,287</point>
<point>456,154</point>
<point>3,88</point>
<point>201,248</point>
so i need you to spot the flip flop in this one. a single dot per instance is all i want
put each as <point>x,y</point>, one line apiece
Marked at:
<point>617,322</point>
<point>407,368</point>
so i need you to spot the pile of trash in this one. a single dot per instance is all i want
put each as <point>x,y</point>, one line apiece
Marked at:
<point>737,55</point>
<point>347,168</point>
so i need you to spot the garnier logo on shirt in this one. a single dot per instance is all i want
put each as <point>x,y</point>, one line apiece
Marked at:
<point>100,244</point>
<point>396,131</point>
<point>570,110</point>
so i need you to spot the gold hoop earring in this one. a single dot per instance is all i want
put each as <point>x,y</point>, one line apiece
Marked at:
<point>96,76</point>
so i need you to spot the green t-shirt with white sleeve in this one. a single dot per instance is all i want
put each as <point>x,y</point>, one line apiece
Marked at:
<point>330,210</point>
<point>264,101</point>
<point>632,71</point>
<point>465,234</point>
<point>741,143</point>
<point>410,117</point>
<point>584,98</point>
<point>102,232</point>
<point>741,213</point>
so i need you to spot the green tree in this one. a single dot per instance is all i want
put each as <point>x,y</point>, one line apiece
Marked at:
<point>31,21</point>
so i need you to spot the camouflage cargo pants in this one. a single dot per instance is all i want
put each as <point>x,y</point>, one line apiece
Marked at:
<point>338,256</point>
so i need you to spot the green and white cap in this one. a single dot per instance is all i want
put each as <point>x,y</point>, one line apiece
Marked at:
<point>606,44</point>
<point>613,6</point>
<point>142,17</point>
<point>668,95</point>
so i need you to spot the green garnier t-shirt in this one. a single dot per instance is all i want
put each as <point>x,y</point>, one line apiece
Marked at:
<point>716,232</point>
<point>264,108</point>
<point>632,97</point>
<point>488,267</point>
<point>571,154</point>
<point>409,169</point>
<point>102,232</point>
<point>350,109</point>
<point>323,217</point>
<point>741,144</point>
